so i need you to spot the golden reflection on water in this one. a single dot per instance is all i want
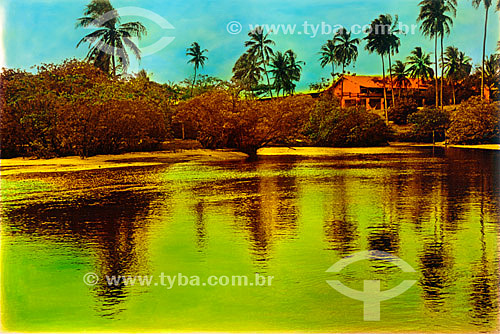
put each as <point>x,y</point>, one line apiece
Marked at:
<point>438,211</point>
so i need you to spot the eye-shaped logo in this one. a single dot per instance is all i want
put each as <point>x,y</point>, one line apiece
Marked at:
<point>137,12</point>
<point>371,296</point>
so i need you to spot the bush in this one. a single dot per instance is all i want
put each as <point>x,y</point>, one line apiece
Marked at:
<point>474,122</point>
<point>331,125</point>
<point>404,107</point>
<point>429,124</point>
<point>75,109</point>
<point>224,120</point>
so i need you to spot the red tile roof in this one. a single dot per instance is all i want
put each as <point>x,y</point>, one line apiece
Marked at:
<point>376,81</point>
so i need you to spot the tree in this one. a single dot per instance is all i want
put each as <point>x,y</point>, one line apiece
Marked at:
<point>197,59</point>
<point>492,73</point>
<point>259,46</point>
<point>279,69</point>
<point>328,56</point>
<point>487,5</point>
<point>420,65</point>
<point>435,23</point>
<point>294,68</point>
<point>457,67</point>
<point>392,41</point>
<point>346,51</point>
<point>247,71</point>
<point>377,42</point>
<point>285,69</point>
<point>107,44</point>
<point>401,73</point>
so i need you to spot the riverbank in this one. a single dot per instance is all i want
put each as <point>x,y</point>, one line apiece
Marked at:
<point>135,159</point>
<point>192,153</point>
<point>495,147</point>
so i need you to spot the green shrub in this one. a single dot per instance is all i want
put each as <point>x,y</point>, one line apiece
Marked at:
<point>75,109</point>
<point>403,108</point>
<point>475,121</point>
<point>223,120</point>
<point>429,124</point>
<point>331,125</point>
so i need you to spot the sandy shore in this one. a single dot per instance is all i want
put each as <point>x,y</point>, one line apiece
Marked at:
<point>495,147</point>
<point>69,164</point>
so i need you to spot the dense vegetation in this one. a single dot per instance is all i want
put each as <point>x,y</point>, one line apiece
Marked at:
<point>475,121</point>
<point>331,125</point>
<point>222,119</point>
<point>75,109</point>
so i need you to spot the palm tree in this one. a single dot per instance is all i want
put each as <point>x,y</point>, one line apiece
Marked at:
<point>107,44</point>
<point>279,70</point>
<point>435,23</point>
<point>294,68</point>
<point>420,66</point>
<point>492,71</point>
<point>285,69</point>
<point>328,56</point>
<point>259,45</point>
<point>197,59</point>
<point>457,66</point>
<point>377,43</point>
<point>393,42</point>
<point>346,52</point>
<point>401,74</point>
<point>247,71</point>
<point>487,5</point>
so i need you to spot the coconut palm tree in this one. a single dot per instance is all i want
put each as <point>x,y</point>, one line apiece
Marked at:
<point>400,72</point>
<point>294,68</point>
<point>328,56</point>
<point>285,69</point>
<point>457,66</point>
<point>197,59</point>
<point>487,5</point>
<point>420,66</point>
<point>492,72</point>
<point>259,45</point>
<point>279,70</point>
<point>247,71</point>
<point>109,42</point>
<point>390,32</point>
<point>346,52</point>
<point>376,42</point>
<point>435,23</point>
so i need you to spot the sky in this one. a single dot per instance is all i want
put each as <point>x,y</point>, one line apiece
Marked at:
<point>43,31</point>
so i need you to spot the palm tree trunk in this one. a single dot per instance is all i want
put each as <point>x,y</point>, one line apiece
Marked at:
<point>453,89</point>
<point>484,51</point>
<point>392,84</point>
<point>268,82</point>
<point>442,71</point>
<point>194,81</point>
<point>385,92</point>
<point>333,72</point>
<point>342,87</point>
<point>436,70</point>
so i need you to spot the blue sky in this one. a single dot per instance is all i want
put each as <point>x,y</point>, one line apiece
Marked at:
<point>36,31</point>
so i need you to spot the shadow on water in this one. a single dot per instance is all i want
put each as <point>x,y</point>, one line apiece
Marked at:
<point>112,224</point>
<point>413,204</point>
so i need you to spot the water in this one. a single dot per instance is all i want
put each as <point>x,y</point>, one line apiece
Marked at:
<point>290,217</point>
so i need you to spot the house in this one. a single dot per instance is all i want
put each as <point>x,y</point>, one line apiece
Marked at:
<point>369,90</point>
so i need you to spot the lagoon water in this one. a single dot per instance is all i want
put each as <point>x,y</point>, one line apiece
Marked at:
<point>290,217</point>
